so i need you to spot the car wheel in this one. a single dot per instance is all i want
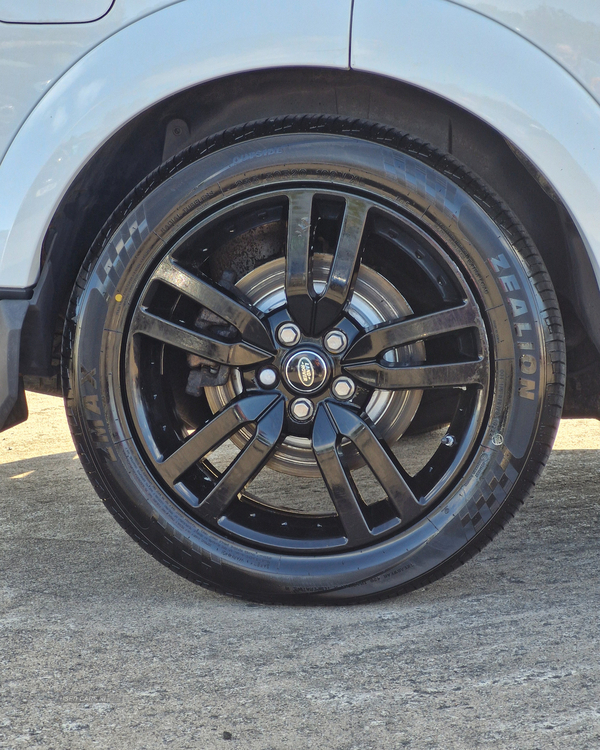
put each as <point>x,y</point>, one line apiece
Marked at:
<point>255,330</point>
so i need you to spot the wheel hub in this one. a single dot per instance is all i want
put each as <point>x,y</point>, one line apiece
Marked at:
<point>374,301</point>
<point>306,371</point>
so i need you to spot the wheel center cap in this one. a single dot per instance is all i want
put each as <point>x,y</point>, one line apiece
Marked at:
<point>306,371</point>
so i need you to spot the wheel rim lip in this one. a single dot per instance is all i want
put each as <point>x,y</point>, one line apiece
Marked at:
<point>277,192</point>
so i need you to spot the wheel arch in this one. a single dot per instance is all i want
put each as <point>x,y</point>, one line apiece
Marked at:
<point>144,142</point>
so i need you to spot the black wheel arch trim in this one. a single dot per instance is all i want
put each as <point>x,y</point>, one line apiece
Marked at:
<point>13,407</point>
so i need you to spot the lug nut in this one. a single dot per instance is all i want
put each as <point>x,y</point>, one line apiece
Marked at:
<point>267,377</point>
<point>288,334</point>
<point>302,409</point>
<point>343,388</point>
<point>336,341</point>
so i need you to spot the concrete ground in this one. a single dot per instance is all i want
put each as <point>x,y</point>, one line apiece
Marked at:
<point>102,647</point>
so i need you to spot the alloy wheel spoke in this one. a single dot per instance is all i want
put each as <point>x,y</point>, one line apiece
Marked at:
<point>250,326</point>
<point>375,342</point>
<point>344,268</point>
<point>247,465</point>
<point>209,437</point>
<point>389,377</point>
<point>236,354</point>
<point>340,485</point>
<point>380,460</point>
<point>297,282</point>
<point>315,312</point>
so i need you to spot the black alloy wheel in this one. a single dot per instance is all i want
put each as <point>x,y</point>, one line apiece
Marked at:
<point>259,324</point>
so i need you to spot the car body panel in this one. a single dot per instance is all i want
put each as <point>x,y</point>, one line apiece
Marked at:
<point>34,56</point>
<point>502,78</point>
<point>57,11</point>
<point>123,76</point>
<point>567,30</point>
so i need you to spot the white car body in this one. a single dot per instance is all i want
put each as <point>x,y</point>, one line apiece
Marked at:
<point>122,75</point>
<point>83,82</point>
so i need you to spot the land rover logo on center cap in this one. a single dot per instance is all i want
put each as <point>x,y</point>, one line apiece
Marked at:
<point>306,372</point>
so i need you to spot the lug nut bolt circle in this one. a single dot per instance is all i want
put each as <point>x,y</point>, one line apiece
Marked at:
<point>267,377</point>
<point>343,388</point>
<point>288,334</point>
<point>302,409</point>
<point>335,342</point>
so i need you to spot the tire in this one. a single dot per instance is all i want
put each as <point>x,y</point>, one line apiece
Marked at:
<point>253,332</point>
